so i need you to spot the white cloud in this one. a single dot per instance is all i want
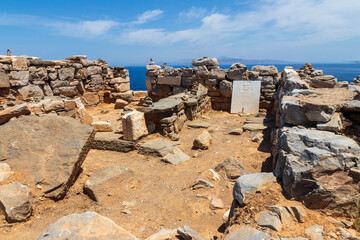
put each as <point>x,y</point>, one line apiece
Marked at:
<point>148,15</point>
<point>289,21</point>
<point>193,13</point>
<point>87,29</point>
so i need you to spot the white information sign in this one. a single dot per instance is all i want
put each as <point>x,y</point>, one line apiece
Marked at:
<point>245,97</point>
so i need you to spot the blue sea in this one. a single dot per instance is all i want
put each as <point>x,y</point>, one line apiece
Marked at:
<point>343,72</point>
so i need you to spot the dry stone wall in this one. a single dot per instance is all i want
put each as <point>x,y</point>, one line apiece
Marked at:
<point>31,78</point>
<point>206,73</point>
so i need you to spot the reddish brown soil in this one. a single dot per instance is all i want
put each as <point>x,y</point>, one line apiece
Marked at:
<point>161,192</point>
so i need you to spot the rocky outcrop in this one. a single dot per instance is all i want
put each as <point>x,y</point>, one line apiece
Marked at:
<point>49,150</point>
<point>88,225</point>
<point>313,166</point>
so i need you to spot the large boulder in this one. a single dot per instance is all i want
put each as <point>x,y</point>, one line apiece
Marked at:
<point>85,226</point>
<point>15,202</point>
<point>48,149</point>
<point>313,167</point>
<point>226,88</point>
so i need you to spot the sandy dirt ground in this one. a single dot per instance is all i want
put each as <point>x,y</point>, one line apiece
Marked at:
<point>159,195</point>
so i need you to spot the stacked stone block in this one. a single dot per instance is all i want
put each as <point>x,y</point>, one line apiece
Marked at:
<point>32,78</point>
<point>218,82</point>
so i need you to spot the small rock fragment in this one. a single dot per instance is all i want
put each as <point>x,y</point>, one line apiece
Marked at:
<point>202,183</point>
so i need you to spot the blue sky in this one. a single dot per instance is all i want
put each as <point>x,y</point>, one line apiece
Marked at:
<point>130,32</point>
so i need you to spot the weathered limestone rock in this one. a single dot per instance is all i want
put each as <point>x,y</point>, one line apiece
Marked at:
<point>31,91</point>
<point>112,142</point>
<point>283,214</point>
<point>315,232</point>
<point>203,141</point>
<point>312,165</point>
<point>66,74</point>
<point>217,74</point>
<point>270,220</point>
<point>251,183</point>
<point>231,168</point>
<point>15,202</point>
<point>205,61</point>
<point>175,157</point>
<point>20,64</point>
<point>94,183</point>
<point>4,80</point>
<point>324,81</point>
<point>247,233</point>
<point>49,150</point>
<point>91,98</point>
<point>169,80</point>
<point>5,171</point>
<point>198,124</point>
<point>298,212</point>
<point>120,104</point>
<point>202,183</point>
<point>265,70</point>
<point>102,126</point>
<point>134,126</point>
<point>334,125</point>
<point>163,234</point>
<point>202,71</point>
<point>19,78</point>
<point>225,88</point>
<point>88,225</point>
<point>216,203</point>
<point>188,234</point>
<point>237,71</point>
<point>157,147</point>
<point>15,111</point>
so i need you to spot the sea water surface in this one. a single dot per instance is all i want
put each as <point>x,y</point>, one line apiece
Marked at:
<point>343,72</point>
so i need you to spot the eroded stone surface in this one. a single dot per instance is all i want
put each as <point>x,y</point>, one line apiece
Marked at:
<point>88,225</point>
<point>15,202</point>
<point>49,149</point>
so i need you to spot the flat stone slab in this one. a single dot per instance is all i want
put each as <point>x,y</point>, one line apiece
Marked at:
<point>88,225</point>
<point>112,142</point>
<point>103,176</point>
<point>245,97</point>
<point>270,220</point>
<point>15,202</point>
<point>247,233</point>
<point>48,149</point>
<point>157,147</point>
<point>176,157</point>
<point>198,124</point>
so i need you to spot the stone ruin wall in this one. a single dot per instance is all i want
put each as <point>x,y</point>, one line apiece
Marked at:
<point>31,79</point>
<point>163,82</point>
